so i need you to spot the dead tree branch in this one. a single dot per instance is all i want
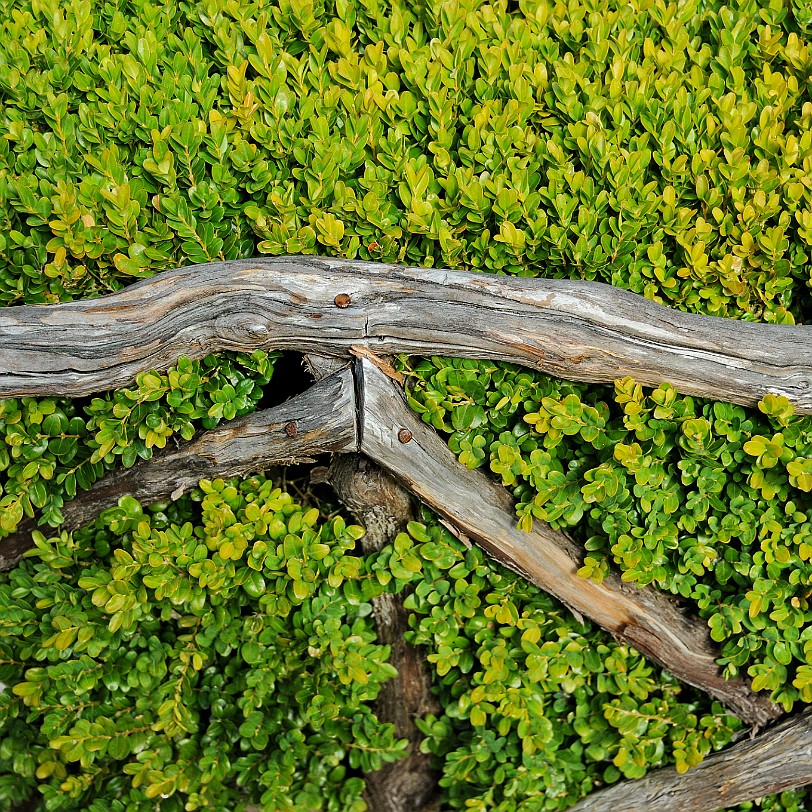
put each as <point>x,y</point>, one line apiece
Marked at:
<point>583,331</point>
<point>777,760</point>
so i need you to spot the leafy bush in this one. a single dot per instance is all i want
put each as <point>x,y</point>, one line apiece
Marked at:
<point>789,801</point>
<point>52,446</point>
<point>155,657</point>
<point>540,708</point>
<point>709,501</point>
<point>222,653</point>
<point>659,146</point>
<point>655,145</point>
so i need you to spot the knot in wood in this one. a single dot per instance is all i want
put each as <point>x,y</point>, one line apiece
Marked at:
<point>404,435</point>
<point>342,300</point>
<point>290,429</point>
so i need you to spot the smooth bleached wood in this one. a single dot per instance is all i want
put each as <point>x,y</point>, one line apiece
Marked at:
<point>583,331</point>
<point>777,760</point>
<point>321,420</point>
<point>483,510</point>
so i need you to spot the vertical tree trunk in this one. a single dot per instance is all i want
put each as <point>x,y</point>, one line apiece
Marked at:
<point>384,507</point>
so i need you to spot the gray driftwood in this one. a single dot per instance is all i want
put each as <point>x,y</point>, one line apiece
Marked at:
<point>361,409</point>
<point>320,420</point>
<point>583,331</point>
<point>483,510</point>
<point>777,760</point>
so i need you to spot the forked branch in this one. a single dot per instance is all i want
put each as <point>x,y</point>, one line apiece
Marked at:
<point>649,620</point>
<point>387,431</point>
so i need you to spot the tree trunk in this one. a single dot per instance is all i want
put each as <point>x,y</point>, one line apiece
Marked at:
<point>384,508</point>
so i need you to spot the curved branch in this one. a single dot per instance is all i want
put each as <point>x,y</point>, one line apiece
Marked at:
<point>777,760</point>
<point>320,420</point>
<point>649,620</point>
<point>584,331</point>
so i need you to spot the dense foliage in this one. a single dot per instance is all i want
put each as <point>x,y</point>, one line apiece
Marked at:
<point>539,707</point>
<point>664,146</point>
<point>660,146</point>
<point>52,446</point>
<point>219,651</point>
<point>707,500</point>
<point>201,655</point>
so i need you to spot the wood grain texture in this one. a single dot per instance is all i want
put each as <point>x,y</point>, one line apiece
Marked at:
<point>483,510</point>
<point>324,418</point>
<point>584,331</point>
<point>778,759</point>
<point>362,409</point>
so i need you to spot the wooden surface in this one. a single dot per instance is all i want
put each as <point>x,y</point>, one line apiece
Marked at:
<point>483,510</point>
<point>583,331</point>
<point>362,409</point>
<point>778,759</point>
<point>325,421</point>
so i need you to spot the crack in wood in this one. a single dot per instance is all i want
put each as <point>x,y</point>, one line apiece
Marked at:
<point>361,409</point>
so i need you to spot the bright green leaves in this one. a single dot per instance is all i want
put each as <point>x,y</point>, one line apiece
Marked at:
<point>566,417</point>
<point>800,473</point>
<point>514,143</point>
<point>166,668</point>
<point>767,451</point>
<point>706,500</point>
<point>49,449</point>
<point>534,698</point>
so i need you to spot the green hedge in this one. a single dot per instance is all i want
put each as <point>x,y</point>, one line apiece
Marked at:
<point>219,651</point>
<point>154,659</point>
<point>663,147</point>
<point>659,146</point>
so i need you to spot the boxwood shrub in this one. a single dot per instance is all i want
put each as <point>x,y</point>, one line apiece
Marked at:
<point>662,146</point>
<point>219,652</point>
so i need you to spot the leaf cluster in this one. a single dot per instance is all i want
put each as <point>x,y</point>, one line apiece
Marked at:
<point>710,501</point>
<point>661,147</point>
<point>50,447</point>
<point>197,655</point>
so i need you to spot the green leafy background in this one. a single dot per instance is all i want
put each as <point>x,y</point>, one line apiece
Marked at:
<point>662,147</point>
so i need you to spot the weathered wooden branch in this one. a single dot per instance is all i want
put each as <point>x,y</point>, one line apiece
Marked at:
<point>322,419</point>
<point>367,412</point>
<point>651,621</point>
<point>362,409</point>
<point>583,331</point>
<point>777,760</point>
